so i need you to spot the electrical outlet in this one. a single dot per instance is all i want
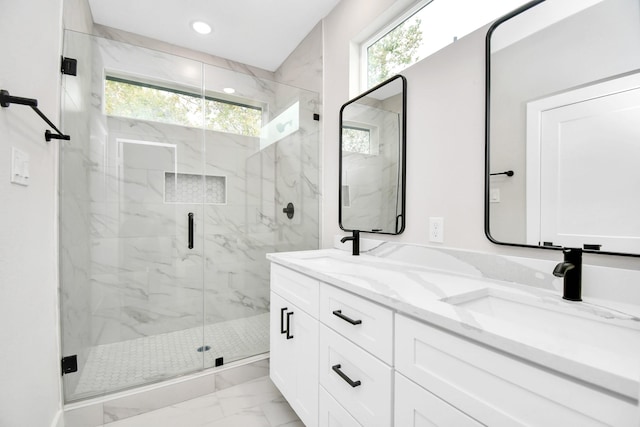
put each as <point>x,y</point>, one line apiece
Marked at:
<point>436,229</point>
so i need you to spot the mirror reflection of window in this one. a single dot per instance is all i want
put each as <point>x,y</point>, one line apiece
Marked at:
<point>356,140</point>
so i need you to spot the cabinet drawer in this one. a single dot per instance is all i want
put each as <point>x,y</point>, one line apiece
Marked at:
<point>373,330</point>
<point>497,389</point>
<point>416,407</point>
<point>369,401</point>
<point>300,290</point>
<point>332,414</point>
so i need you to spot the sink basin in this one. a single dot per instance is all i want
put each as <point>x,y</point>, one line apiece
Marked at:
<point>568,322</point>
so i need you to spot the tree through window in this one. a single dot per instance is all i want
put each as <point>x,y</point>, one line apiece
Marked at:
<point>135,100</point>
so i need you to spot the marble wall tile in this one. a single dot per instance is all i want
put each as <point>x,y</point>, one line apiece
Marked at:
<point>138,40</point>
<point>303,68</point>
<point>77,16</point>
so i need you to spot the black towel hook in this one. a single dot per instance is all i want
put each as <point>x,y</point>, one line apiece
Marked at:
<point>6,99</point>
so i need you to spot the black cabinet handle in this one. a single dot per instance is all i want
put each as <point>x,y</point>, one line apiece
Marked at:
<point>289,314</point>
<point>282,329</point>
<point>190,230</point>
<point>336,369</point>
<point>345,318</point>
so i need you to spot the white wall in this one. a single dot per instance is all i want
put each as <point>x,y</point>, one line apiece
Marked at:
<point>30,67</point>
<point>445,136</point>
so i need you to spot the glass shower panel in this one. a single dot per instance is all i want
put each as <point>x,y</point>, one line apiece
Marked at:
<point>263,170</point>
<point>131,277</point>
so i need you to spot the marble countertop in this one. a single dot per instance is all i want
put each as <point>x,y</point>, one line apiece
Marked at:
<point>592,342</point>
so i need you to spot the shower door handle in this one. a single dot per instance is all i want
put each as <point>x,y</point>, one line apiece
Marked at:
<point>190,230</point>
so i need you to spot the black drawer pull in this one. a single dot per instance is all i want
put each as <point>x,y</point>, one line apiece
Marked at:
<point>289,314</point>
<point>282,329</point>
<point>345,318</point>
<point>336,369</point>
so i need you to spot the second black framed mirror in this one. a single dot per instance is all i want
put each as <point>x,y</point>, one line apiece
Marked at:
<point>372,159</point>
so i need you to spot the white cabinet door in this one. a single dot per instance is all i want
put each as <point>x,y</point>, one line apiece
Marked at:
<point>416,407</point>
<point>281,349</point>
<point>332,414</point>
<point>294,357</point>
<point>499,390</point>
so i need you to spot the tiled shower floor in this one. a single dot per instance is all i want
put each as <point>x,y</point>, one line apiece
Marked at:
<point>139,361</point>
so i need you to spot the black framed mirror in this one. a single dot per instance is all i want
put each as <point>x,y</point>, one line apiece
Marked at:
<point>563,126</point>
<point>371,195</point>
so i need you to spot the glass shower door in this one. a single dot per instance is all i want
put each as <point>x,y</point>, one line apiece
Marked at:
<point>158,142</point>
<point>131,218</point>
<point>262,144</point>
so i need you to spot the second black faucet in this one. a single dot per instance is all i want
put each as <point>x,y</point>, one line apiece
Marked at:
<point>356,242</point>
<point>571,271</point>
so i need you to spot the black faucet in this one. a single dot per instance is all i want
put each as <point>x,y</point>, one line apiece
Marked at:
<point>571,270</point>
<point>356,242</point>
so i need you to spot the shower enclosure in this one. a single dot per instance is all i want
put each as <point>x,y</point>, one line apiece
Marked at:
<point>172,191</point>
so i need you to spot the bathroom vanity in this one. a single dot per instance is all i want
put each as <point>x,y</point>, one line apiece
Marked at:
<point>371,341</point>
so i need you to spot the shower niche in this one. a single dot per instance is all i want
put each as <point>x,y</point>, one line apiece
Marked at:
<point>191,188</point>
<point>171,193</point>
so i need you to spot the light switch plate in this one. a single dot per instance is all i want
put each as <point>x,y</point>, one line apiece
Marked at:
<point>494,195</point>
<point>19,167</point>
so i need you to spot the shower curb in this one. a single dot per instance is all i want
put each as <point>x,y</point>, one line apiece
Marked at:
<point>101,411</point>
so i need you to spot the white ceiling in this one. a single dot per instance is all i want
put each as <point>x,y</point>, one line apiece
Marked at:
<point>261,33</point>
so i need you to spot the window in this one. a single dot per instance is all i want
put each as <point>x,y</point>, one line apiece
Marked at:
<point>422,31</point>
<point>356,140</point>
<point>126,98</point>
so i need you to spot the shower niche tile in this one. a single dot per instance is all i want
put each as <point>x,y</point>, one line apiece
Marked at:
<point>189,188</point>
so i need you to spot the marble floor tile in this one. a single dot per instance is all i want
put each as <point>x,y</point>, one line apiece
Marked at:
<point>279,413</point>
<point>257,403</point>
<point>247,395</point>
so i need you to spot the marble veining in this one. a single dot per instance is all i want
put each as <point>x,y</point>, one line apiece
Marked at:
<point>126,271</point>
<point>256,403</point>
<point>463,292</point>
<point>467,262</point>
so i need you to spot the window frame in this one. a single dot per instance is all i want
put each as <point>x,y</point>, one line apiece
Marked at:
<point>378,35</point>
<point>361,47</point>
<point>247,104</point>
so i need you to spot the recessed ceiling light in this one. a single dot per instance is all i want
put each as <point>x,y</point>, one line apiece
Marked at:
<point>201,27</point>
<point>229,90</point>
